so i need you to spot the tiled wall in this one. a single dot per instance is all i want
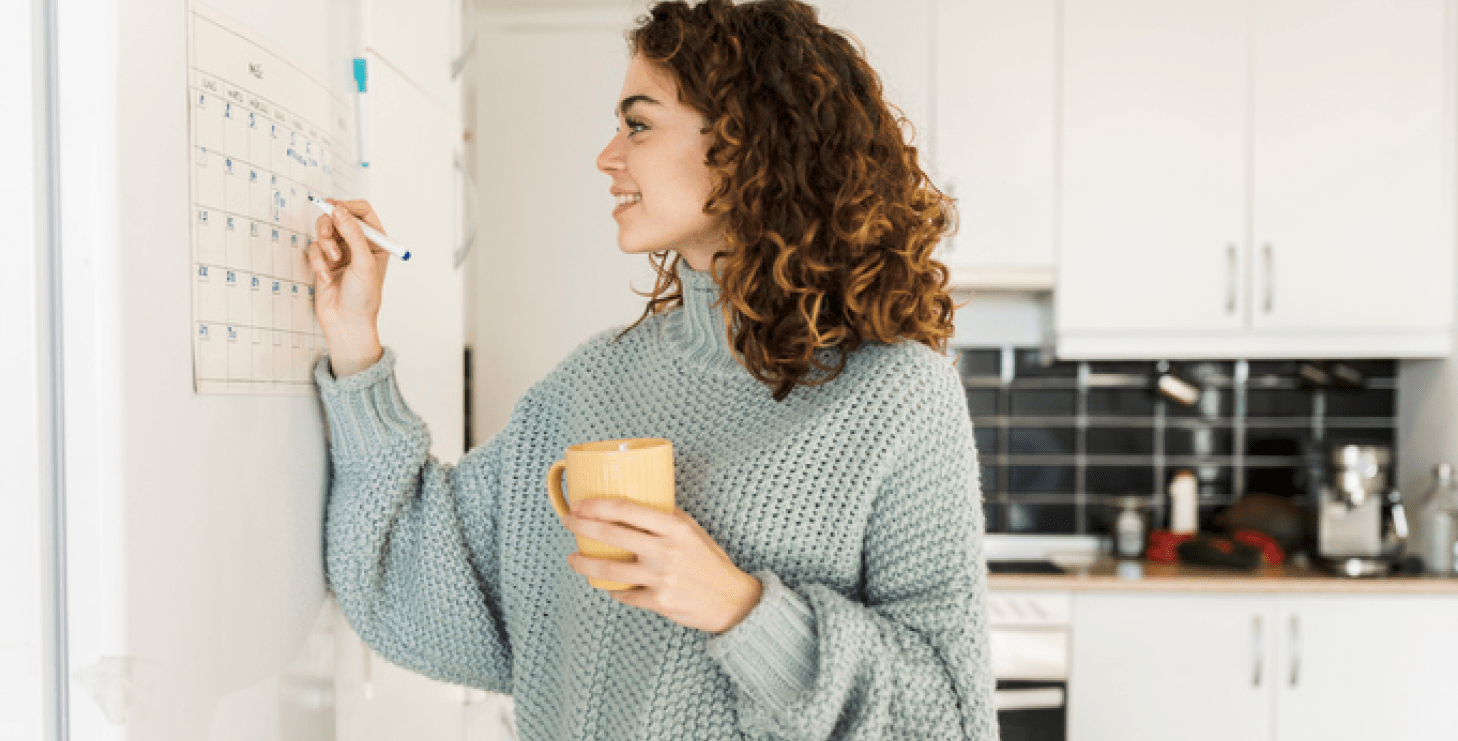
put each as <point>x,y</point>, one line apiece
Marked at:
<point>1056,440</point>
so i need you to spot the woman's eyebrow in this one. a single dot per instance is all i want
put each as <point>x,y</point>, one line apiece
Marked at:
<point>629,101</point>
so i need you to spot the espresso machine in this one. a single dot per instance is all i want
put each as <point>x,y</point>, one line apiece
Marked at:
<point>1361,526</point>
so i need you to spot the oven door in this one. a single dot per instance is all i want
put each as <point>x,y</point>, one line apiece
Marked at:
<point>1032,710</point>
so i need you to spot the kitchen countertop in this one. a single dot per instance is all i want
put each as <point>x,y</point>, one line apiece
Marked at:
<point>1162,577</point>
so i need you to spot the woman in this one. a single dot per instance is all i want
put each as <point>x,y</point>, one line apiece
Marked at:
<point>821,576</point>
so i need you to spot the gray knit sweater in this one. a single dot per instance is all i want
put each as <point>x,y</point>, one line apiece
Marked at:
<point>855,503</point>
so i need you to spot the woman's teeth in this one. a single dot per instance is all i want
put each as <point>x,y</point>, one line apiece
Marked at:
<point>627,198</point>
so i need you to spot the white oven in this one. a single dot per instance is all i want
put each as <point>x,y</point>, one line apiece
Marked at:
<point>1029,632</point>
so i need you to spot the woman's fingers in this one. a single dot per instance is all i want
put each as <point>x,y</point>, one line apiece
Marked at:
<point>336,256</point>
<point>354,237</point>
<point>361,209</point>
<point>316,261</point>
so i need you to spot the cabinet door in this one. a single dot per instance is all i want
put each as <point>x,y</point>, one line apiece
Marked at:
<point>1158,667</point>
<point>412,185</point>
<point>1365,667</point>
<point>1153,132</point>
<point>420,38</point>
<point>1352,204</point>
<point>994,130</point>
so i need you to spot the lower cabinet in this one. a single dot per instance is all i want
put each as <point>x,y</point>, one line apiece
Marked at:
<point>1366,667</point>
<point>1262,667</point>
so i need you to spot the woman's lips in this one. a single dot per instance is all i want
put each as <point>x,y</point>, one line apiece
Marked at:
<point>625,207</point>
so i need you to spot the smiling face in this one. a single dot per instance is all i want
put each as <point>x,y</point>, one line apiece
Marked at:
<point>660,179</point>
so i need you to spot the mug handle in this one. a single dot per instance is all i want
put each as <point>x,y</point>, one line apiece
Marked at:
<point>554,488</point>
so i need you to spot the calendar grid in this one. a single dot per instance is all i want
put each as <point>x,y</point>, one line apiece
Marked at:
<point>264,137</point>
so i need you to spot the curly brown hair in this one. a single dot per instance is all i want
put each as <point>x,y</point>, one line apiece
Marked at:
<point>829,214</point>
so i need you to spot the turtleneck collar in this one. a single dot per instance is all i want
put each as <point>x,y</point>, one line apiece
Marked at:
<point>699,334</point>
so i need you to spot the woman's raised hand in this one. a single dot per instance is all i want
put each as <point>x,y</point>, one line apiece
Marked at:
<point>348,290</point>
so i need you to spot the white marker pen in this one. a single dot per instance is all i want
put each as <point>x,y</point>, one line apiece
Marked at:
<point>374,234</point>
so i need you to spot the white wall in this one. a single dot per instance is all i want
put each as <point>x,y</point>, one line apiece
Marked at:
<point>21,636</point>
<point>546,271</point>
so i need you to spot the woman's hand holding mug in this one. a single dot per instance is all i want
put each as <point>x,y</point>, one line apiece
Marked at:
<point>347,291</point>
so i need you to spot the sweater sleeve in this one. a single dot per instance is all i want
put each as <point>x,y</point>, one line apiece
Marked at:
<point>911,662</point>
<point>410,542</point>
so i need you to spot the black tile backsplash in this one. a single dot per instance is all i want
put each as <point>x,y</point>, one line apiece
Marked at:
<point>1120,441</point>
<point>1057,440</point>
<point>1120,402</point>
<point>1200,440</point>
<point>1041,441</point>
<point>1043,402</point>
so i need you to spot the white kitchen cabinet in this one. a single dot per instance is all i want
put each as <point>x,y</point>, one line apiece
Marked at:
<point>994,138</point>
<point>1264,667</point>
<point>421,40</point>
<point>1154,144</point>
<point>1256,178</point>
<point>1363,667</point>
<point>1156,667</point>
<point>1351,211</point>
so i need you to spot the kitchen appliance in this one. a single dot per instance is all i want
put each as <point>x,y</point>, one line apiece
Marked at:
<point>1361,526</point>
<point>1029,638</point>
<point>1030,631</point>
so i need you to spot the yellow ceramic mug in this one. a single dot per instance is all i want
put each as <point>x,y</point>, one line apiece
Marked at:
<point>639,469</point>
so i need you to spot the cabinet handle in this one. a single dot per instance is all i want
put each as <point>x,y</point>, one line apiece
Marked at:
<point>1270,277</point>
<point>1260,650</point>
<point>1230,279</point>
<point>470,239</point>
<point>1295,649</point>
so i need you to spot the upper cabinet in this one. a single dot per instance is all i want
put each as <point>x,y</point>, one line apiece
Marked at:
<point>994,134</point>
<point>1351,155</point>
<point>1255,178</point>
<point>423,40</point>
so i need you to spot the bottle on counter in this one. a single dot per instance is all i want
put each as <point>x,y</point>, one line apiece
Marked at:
<point>1130,531</point>
<point>1183,511</point>
<point>1437,534</point>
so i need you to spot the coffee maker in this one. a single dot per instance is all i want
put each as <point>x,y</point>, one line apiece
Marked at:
<point>1361,526</point>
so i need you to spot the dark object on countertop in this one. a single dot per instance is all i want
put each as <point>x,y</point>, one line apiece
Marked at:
<point>1271,551</point>
<point>1024,567</point>
<point>1213,550</point>
<point>1410,566</point>
<point>1280,518</point>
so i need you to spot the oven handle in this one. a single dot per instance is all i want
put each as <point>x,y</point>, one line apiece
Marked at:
<point>1030,699</point>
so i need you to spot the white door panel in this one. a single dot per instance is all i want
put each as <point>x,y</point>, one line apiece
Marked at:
<point>1157,667</point>
<point>1352,191</point>
<point>1154,148</point>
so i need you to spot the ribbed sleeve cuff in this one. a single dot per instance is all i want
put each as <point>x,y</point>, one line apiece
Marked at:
<point>772,653</point>
<point>365,409</point>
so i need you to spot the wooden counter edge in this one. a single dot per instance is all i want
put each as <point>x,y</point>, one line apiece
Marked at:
<point>1159,577</point>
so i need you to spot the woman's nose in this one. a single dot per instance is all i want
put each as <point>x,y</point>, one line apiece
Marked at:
<point>611,156</point>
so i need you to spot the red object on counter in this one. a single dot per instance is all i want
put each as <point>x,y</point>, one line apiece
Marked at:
<point>1271,551</point>
<point>1162,545</point>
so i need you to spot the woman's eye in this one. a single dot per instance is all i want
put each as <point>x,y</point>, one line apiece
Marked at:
<point>632,124</point>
